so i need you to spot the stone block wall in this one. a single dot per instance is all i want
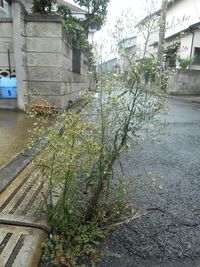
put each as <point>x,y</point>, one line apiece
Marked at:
<point>41,57</point>
<point>185,82</point>
<point>73,83</point>
<point>49,63</point>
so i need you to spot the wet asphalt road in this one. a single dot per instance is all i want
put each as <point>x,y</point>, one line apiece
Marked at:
<point>14,135</point>
<point>166,183</point>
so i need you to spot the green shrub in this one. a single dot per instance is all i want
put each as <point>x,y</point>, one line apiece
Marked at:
<point>185,62</point>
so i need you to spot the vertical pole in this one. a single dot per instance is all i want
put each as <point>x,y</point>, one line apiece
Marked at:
<point>20,55</point>
<point>9,62</point>
<point>162,30</point>
<point>160,55</point>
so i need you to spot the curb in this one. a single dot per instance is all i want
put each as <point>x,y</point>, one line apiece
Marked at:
<point>189,99</point>
<point>14,167</point>
<point>196,101</point>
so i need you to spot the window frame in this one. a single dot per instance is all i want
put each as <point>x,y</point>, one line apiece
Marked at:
<point>2,3</point>
<point>196,60</point>
<point>76,60</point>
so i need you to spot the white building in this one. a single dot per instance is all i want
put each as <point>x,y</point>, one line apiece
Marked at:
<point>182,43</point>
<point>183,27</point>
<point>127,49</point>
<point>182,30</point>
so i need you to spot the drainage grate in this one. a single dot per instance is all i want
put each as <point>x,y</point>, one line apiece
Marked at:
<point>22,226</point>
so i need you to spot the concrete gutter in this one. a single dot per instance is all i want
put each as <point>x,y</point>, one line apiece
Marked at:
<point>14,167</point>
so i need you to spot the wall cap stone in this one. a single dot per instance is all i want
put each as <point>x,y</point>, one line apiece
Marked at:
<point>6,20</point>
<point>189,71</point>
<point>43,18</point>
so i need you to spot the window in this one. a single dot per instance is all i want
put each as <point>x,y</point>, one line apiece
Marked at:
<point>76,60</point>
<point>171,55</point>
<point>197,55</point>
<point>1,3</point>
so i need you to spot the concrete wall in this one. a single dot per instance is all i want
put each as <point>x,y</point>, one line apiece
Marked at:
<point>49,63</point>
<point>185,82</point>
<point>42,51</point>
<point>72,83</point>
<point>6,35</point>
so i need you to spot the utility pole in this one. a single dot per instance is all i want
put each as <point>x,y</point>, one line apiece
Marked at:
<point>162,30</point>
<point>160,55</point>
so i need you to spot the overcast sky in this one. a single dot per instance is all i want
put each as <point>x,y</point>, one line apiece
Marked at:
<point>115,8</point>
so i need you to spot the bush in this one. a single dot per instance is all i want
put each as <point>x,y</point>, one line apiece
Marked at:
<point>185,62</point>
<point>43,6</point>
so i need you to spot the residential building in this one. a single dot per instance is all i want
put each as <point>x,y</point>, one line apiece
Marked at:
<point>127,50</point>
<point>182,43</point>
<point>148,35</point>
<point>183,28</point>
<point>110,65</point>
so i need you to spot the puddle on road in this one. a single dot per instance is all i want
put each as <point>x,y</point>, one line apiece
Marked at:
<point>14,134</point>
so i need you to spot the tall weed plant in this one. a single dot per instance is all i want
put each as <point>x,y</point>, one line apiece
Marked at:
<point>84,195</point>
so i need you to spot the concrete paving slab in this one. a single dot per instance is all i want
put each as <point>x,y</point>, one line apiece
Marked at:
<point>21,201</point>
<point>20,246</point>
<point>23,227</point>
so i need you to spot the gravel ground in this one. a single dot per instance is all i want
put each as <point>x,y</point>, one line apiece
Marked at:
<point>166,183</point>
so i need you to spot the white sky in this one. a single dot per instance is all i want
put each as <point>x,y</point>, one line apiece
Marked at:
<point>115,8</point>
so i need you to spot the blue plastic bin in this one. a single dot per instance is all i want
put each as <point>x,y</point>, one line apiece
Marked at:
<point>8,86</point>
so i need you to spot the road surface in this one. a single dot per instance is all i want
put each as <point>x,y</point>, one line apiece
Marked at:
<point>166,184</point>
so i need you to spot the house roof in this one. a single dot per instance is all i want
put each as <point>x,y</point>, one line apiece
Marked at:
<point>128,42</point>
<point>110,60</point>
<point>73,8</point>
<point>189,29</point>
<point>156,13</point>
